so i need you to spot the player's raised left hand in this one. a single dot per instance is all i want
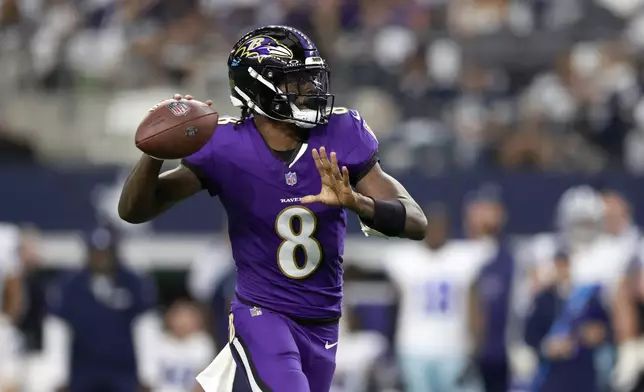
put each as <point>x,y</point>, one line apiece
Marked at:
<point>336,189</point>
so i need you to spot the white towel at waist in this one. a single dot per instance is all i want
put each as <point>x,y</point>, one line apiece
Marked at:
<point>220,374</point>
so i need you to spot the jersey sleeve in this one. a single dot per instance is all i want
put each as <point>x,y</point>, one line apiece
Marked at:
<point>362,151</point>
<point>203,164</point>
<point>398,262</point>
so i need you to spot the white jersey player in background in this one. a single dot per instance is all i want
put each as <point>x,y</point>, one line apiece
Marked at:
<point>183,350</point>
<point>597,257</point>
<point>433,279</point>
<point>579,219</point>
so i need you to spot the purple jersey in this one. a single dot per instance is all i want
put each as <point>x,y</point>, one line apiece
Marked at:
<point>288,255</point>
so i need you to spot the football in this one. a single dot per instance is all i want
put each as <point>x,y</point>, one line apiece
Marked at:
<point>175,129</point>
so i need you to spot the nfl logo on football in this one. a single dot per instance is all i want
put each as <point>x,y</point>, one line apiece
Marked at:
<point>179,108</point>
<point>291,178</point>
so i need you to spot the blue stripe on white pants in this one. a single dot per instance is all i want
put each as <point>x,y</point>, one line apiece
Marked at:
<point>421,374</point>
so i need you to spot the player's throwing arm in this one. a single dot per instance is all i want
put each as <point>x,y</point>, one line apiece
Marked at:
<point>173,129</point>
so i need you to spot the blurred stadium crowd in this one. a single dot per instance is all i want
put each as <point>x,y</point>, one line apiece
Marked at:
<point>449,86</point>
<point>539,84</point>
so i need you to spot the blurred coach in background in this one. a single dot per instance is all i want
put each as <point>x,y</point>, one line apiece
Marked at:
<point>565,327</point>
<point>99,332</point>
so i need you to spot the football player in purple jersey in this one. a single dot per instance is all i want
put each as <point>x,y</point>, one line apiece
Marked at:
<point>286,172</point>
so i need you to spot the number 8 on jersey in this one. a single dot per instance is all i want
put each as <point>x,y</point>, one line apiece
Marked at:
<point>293,239</point>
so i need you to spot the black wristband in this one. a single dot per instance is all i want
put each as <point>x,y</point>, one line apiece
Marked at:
<point>388,217</point>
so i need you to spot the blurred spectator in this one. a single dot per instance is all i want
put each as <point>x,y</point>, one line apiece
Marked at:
<point>528,148</point>
<point>184,350</point>
<point>567,323</point>
<point>179,28</point>
<point>471,18</point>
<point>433,278</point>
<point>100,333</point>
<point>490,295</point>
<point>57,26</point>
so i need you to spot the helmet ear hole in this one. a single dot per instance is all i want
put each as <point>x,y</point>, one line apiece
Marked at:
<point>273,76</point>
